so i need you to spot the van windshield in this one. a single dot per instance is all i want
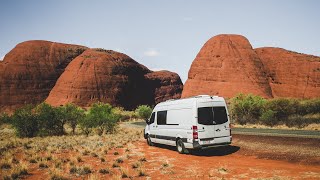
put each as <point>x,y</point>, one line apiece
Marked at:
<point>212,115</point>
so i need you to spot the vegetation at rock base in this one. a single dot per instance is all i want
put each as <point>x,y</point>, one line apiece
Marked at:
<point>251,109</point>
<point>144,111</point>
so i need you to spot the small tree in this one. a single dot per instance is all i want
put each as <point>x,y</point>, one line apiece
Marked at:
<point>103,117</point>
<point>86,125</point>
<point>144,111</point>
<point>51,119</point>
<point>25,122</point>
<point>73,115</point>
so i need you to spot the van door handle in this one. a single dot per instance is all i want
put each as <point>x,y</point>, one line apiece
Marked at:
<point>218,130</point>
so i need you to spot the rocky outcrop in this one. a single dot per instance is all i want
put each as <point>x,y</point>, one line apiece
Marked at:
<point>30,70</point>
<point>164,85</point>
<point>227,65</point>
<point>291,74</point>
<point>115,78</point>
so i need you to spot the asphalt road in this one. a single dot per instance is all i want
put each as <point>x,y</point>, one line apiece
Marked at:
<point>256,131</point>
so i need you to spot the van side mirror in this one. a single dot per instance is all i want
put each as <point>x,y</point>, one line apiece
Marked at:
<point>147,121</point>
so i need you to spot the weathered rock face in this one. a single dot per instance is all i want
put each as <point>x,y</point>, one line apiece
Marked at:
<point>227,65</point>
<point>165,85</point>
<point>112,77</point>
<point>291,74</point>
<point>30,70</point>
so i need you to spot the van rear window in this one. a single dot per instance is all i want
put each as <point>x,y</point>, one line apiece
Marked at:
<point>212,115</point>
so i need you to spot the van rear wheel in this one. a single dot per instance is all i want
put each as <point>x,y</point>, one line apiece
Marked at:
<point>180,147</point>
<point>149,142</point>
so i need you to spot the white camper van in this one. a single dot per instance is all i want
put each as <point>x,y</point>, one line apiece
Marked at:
<point>193,123</point>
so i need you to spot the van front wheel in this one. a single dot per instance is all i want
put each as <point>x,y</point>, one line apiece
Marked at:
<point>180,147</point>
<point>149,142</point>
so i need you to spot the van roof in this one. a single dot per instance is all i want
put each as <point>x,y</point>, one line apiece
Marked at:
<point>198,98</point>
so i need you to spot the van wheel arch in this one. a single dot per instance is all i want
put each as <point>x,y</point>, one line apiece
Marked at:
<point>180,146</point>
<point>149,142</point>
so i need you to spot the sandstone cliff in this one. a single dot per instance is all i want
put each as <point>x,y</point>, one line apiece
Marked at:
<point>291,74</point>
<point>227,65</point>
<point>115,78</point>
<point>30,70</point>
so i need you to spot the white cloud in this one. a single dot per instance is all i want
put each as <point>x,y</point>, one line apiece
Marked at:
<point>1,58</point>
<point>187,19</point>
<point>151,53</point>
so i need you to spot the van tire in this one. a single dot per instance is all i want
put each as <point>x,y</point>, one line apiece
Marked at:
<point>149,142</point>
<point>180,147</point>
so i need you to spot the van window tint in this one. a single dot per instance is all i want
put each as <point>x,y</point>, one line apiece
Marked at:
<point>205,116</point>
<point>151,120</point>
<point>212,115</point>
<point>162,117</point>
<point>220,115</point>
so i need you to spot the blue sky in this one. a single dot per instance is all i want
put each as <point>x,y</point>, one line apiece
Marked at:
<point>164,34</point>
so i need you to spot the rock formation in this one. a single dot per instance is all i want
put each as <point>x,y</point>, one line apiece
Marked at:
<point>164,85</point>
<point>227,65</point>
<point>115,78</point>
<point>30,70</point>
<point>291,74</point>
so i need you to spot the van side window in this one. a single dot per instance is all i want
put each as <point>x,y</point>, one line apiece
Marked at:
<point>162,117</point>
<point>152,117</point>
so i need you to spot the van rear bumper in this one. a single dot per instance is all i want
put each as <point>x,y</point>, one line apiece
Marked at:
<point>227,141</point>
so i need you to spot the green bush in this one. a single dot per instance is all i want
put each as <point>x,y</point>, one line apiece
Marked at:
<point>282,107</point>
<point>25,122</point>
<point>247,108</point>
<point>4,118</point>
<point>73,115</point>
<point>125,115</point>
<point>102,117</point>
<point>144,111</point>
<point>291,112</point>
<point>51,119</point>
<point>268,118</point>
<point>310,106</point>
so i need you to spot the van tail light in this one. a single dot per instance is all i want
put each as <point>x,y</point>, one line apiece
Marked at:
<point>195,132</point>
<point>230,126</point>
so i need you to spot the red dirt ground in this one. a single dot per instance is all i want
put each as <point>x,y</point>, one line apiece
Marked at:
<point>232,162</point>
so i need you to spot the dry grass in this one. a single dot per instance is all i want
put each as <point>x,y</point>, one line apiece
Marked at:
<point>313,126</point>
<point>64,156</point>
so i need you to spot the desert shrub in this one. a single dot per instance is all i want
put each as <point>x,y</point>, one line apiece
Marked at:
<point>268,118</point>
<point>144,111</point>
<point>86,125</point>
<point>25,122</point>
<point>51,119</point>
<point>4,118</point>
<point>125,115</point>
<point>101,116</point>
<point>283,108</point>
<point>310,106</point>
<point>73,115</point>
<point>247,108</point>
<point>300,121</point>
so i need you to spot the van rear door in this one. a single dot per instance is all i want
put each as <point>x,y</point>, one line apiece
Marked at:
<point>212,123</point>
<point>220,118</point>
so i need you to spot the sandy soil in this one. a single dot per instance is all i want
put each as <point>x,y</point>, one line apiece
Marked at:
<point>233,162</point>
